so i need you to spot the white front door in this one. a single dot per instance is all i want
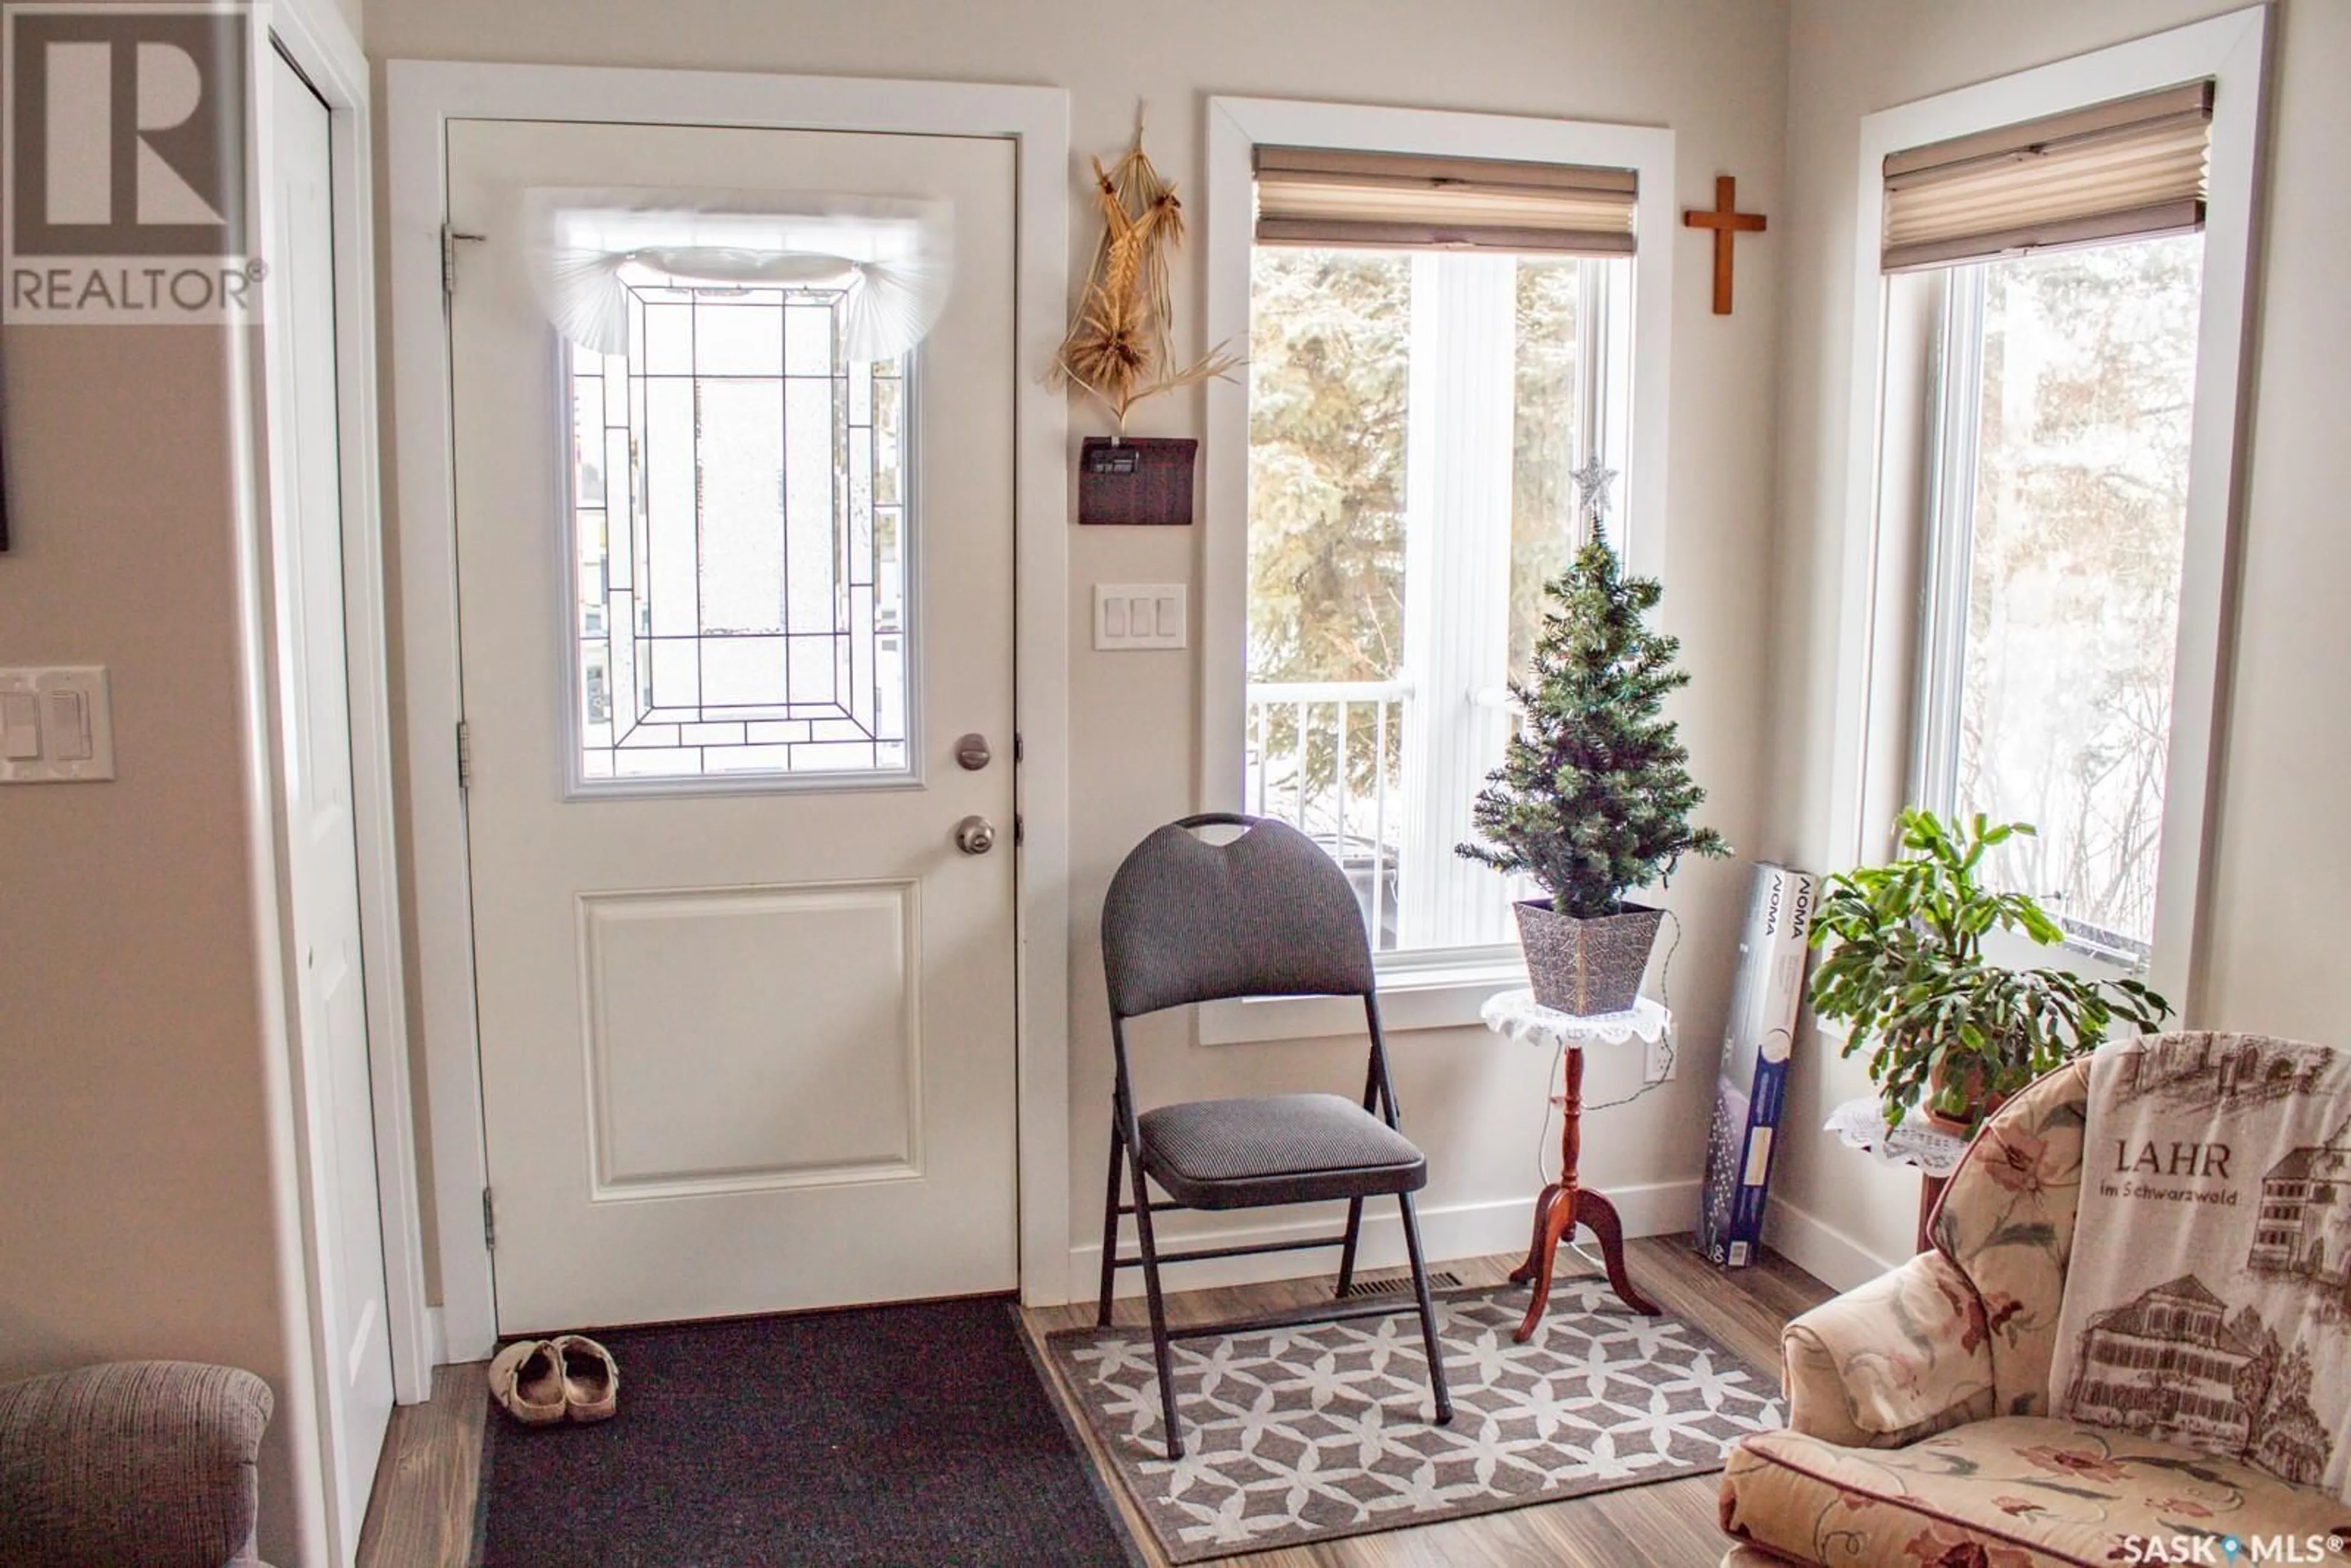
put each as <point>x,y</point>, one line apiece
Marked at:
<point>321,846</point>
<point>729,603</point>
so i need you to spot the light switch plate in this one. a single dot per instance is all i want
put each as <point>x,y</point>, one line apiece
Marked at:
<point>1140,615</point>
<point>73,720</point>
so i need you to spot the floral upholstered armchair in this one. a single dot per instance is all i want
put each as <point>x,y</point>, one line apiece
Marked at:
<point>1919,1427</point>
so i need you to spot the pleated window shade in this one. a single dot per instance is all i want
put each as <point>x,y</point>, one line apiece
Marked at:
<point>2129,168</point>
<point>1388,201</point>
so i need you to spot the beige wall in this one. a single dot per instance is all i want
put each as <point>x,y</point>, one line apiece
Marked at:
<point>2281,857</point>
<point>1715,71</point>
<point>135,1207</point>
<point>137,1216</point>
<point>134,1129</point>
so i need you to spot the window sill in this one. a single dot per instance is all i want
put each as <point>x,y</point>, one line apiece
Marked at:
<point>1436,997</point>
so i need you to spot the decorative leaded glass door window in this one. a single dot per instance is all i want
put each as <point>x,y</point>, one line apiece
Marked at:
<point>740,515</point>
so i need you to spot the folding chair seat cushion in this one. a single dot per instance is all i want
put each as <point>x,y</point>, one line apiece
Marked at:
<point>1275,1149</point>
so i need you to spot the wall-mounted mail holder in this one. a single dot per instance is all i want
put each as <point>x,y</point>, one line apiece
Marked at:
<point>1141,479</point>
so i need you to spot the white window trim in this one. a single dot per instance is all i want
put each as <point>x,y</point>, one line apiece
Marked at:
<point>1949,426</point>
<point>1878,602</point>
<point>1416,993</point>
<point>1444,994</point>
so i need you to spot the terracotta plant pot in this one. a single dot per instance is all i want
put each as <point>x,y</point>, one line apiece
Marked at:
<point>1943,1124</point>
<point>1587,966</point>
<point>1981,1104</point>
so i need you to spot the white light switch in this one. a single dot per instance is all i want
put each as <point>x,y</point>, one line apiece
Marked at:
<point>66,728</point>
<point>1136,615</point>
<point>20,725</point>
<point>55,724</point>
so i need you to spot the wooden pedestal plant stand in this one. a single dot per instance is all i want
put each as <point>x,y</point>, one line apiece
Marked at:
<point>1592,799</point>
<point>1567,1203</point>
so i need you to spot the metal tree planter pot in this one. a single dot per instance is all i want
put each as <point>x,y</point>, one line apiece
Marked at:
<point>1587,966</point>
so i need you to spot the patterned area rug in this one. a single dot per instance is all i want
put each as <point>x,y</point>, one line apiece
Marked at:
<point>1320,1431</point>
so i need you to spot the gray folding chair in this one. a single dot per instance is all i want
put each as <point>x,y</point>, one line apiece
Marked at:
<point>1267,914</point>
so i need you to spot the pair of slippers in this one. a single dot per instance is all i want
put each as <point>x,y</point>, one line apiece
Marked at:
<point>571,1378</point>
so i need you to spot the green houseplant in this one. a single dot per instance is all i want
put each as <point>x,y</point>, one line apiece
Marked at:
<point>1593,796</point>
<point>1953,1032</point>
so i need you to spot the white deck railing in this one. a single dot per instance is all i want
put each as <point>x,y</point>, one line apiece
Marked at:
<point>1326,757</point>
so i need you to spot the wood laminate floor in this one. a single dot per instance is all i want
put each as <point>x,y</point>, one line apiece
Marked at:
<point>422,1513</point>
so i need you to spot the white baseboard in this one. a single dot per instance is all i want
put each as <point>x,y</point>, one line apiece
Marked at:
<point>1819,1248</point>
<point>1446,1233</point>
<point>1453,1231</point>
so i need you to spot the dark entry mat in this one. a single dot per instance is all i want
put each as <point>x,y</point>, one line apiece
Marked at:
<point>893,1435</point>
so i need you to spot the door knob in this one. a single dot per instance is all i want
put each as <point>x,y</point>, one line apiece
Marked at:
<point>975,835</point>
<point>972,753</point>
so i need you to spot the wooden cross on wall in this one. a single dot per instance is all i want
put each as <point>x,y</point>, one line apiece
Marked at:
<point>1725,220</point>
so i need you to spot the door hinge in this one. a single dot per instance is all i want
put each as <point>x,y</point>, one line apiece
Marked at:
<point>449,238</point>
<point>490,1223</point>
<point>1020,748</point>
<point>464,755</point>
<point>1019,830</point>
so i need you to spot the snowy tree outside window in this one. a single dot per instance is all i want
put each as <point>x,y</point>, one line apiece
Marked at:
<point>2067,391</point>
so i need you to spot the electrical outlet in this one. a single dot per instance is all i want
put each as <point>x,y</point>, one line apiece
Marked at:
<point>1657,1064</point>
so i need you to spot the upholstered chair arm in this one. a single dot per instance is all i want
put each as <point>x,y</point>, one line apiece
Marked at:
<point>146,1462</point>
<point>1898,1359</point>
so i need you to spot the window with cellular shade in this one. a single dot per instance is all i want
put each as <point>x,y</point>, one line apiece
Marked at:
<point>2129,168</point>
<point>1385,201</point>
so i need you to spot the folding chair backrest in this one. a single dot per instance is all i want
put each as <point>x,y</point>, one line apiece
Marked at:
<point>1268,915</point>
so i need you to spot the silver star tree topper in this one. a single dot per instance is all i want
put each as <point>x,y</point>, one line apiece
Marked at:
<point>1592,482</point>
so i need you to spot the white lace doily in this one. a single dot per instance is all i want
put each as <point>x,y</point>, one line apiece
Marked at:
<point>1861,1125</point>
<point>1520,1015</point>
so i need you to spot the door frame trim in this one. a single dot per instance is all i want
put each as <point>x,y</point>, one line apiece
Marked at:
<point>422,97</point>
<point>319,44</point>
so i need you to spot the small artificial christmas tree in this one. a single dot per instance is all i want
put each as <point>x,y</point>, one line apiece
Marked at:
<point>1593,795</point>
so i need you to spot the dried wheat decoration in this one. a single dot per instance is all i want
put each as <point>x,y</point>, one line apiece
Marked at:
<point>1118,345</point>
